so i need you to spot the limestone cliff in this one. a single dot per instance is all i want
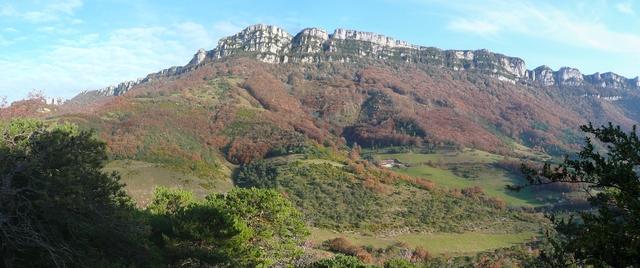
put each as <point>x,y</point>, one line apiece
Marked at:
<point>274,45</point>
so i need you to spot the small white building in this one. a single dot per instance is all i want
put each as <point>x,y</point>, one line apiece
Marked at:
<point>390,163</point>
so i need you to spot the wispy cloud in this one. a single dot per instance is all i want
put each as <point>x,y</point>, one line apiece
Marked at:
<point>542,21</point>
<point>7,10</point>
<point>43,12</point>
<point>478,27</point>
<point>92,61</point>
<point>625,8</point>
<point>57,29</point>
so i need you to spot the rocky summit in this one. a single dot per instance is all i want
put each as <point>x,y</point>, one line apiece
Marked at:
<point>272,44</point>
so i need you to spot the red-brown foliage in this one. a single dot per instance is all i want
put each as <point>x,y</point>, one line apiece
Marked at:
<point>244,151</point>
<point>425,184</point>
<point>475,192</point>
<point>271,93</point>
<point>496,202</point>
<point>420,255</point>
<point>324,101</point>
<point>344,246</point>
<point>31,107</point>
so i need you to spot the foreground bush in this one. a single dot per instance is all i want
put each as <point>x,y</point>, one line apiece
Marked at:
<point>57,207</point>
<point>608,235</point>
<point>243,228</point>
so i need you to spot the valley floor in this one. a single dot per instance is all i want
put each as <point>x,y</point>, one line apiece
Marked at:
<point>448,170</point>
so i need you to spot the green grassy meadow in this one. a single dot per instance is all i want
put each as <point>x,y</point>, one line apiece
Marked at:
<point>141,178</point>
<point>466,169</point>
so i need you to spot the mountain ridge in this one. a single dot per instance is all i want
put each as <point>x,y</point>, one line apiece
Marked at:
<point>272,44</point>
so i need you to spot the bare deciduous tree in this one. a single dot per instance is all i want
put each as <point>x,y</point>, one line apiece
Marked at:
<point>36,94</point>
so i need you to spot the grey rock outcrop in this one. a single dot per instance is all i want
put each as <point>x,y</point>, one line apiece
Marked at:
<point>609,80</point>
<point>309,40</point>
<point>199,57</point>
<point>308,44</point>
<point>542,75</point>
<point>115,90</point>
<point>567,76</point>
<point>119,89</point>
<point>270,43</point>
<point>374,38</point>
<point>311,45</point>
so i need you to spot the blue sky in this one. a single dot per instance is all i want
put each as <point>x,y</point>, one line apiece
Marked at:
<point>63,47</point>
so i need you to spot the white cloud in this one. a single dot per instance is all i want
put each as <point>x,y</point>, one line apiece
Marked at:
<point>198,33</point>
<point>67,6</point>
<point>625,8</point>
<point>543,21</point>
<point>75,21</point>
<point>473,26</point>
<point>7,10</point>
<point>46,11</point>
<point>92,61</point>
<point>57,29</point>
<point>39,16</point>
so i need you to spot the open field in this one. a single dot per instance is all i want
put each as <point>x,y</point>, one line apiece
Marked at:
<point>466,156</point>
<point>465,169</point>
<point>492,180</point>
<point>141,178</point>
<point>435,243</point>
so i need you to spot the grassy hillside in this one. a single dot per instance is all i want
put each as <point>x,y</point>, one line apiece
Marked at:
<point>237,104</point>
<point>347,197</point>
<point>141,178</point>
<point>471,168</point>
<point>375,209</point>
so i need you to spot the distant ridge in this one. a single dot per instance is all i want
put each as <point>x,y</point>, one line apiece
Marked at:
<point>272,44</point>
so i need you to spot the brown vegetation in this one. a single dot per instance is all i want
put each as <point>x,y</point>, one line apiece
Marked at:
<point>344,246</point>
<point>238,105</point>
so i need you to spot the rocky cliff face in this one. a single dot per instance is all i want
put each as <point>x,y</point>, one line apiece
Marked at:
<point>542,75</point>
<point>378,39</point>
<point>274,45</point>
<point>270,43</point>
<point>610,80</point>
<point>118,89</point>
<point>198,57</point>
<point>567,76</point>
